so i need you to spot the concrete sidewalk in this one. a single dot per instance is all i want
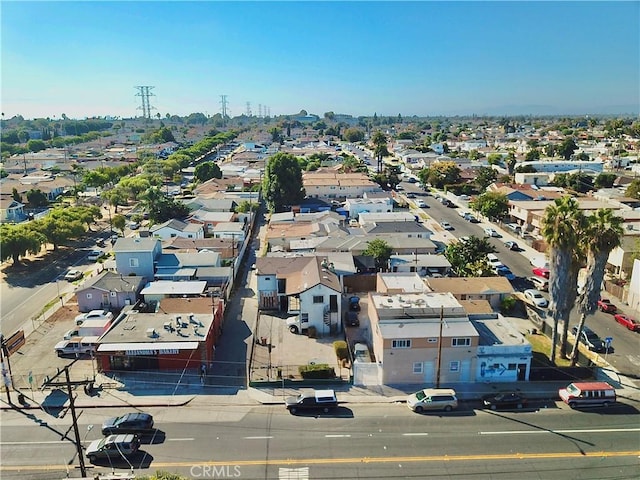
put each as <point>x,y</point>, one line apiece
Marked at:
<point>207,396</point>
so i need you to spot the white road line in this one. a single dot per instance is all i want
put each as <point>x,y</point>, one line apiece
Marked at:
<point>337,436</point>
<point>529,432</point>
<point>180,439</point>
<point>417,434</point>
<point>49,442</point>
<point>258,438</point>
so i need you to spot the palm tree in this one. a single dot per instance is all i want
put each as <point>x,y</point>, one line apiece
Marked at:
<point>602,233</point>
<point>380,148</point>
<point>561,225</point>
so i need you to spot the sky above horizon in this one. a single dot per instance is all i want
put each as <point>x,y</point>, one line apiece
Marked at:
<point>359,58</point>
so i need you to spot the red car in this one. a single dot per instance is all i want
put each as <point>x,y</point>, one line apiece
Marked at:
<point>631,323</point>
<point>541,272</point>
<point>606,306</point>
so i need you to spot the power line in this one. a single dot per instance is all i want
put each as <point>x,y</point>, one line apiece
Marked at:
<point>144,91</point>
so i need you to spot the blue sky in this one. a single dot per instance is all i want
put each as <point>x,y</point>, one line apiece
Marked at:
<point>412,58</point>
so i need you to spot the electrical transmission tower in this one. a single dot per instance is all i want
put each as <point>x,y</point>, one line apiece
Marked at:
<point>223,105</point>
<point>144,91</point>
<point>259,110</point>
<point>248,109</point>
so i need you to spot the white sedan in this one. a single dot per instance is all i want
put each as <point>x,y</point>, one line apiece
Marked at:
<point>446,225</point>
<point>536,297</point>
<point>490,232</point>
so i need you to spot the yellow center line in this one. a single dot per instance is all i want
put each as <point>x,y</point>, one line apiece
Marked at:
<point>355,460</point>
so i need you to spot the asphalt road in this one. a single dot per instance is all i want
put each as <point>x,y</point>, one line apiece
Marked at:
<point>626,344</point>
<point>357,441</point>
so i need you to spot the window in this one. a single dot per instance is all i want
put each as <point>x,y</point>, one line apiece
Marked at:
<point>417,368</point>
<point>318,299</point>
<point>512,366</point>
<point>454,366</point>
<point>113,294</point>
<point>432,340</point>
<point>401,344</point>
<point>460,342</point>
<point>89,296</point>
<point>133,262</point>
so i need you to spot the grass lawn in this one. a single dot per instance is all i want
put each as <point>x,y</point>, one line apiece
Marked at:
<point>541,346</point>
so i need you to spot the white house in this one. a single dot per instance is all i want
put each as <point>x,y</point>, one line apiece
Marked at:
<point>175,228</point>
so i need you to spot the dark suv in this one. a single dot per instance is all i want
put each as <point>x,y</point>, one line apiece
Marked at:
<point>324,400</point>
<point>128,423</point>
<point>590,339</point>
<point>351,318</point>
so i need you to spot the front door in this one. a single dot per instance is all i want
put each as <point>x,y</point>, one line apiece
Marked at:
<point>429,372</point>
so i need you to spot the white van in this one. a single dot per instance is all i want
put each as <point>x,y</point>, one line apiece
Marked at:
<point>587,394</point>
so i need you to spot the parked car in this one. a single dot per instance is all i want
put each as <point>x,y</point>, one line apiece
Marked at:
<point>536,297</point>
<point>100,242</point>
<point>73,275</point>
<point>590,339</point>
<point>446,225</point>
<point>504,271</point>
<point>625,320</point>
<point>361,353</point>
<point>93,314</point>
<point>541,272</point>
<point>352,319</point>
<point>470,218</point>
<point>134,422</point>
<point>493,260</point>
<point>512,246</point>
<point>324,400</point>
<point>421,204</point>
<point>490,232</point>
<point>605,305</point>
<point>588,394</point>
<point>504,400</point>
<point>94,255</point>
<point>540,283</point>
<point>433,399</point>
<point>354,303</point>
<point>134,225</point>
<point>463,239</point>
<point>113,447</point>
<point>450,204</point>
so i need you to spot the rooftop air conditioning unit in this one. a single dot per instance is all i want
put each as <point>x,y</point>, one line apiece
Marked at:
<point>151,333</point>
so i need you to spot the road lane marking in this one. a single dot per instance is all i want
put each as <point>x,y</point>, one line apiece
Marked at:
<point>180,439</point>
<point>416,434</point>
<point>258,438</point>
<point>483,457</point>
<point>590,430</point>
<point>337,436</point>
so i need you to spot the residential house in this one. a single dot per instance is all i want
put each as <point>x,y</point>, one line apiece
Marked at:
<point>306,287</point>
<point>331,184</point>
<point>137,256</point>
<point>366,218</point>
<point>184,266</point>
<point>418,337</point>
<point>397,229</point>
<point>226,247</point>
<point>210,219</point>
<point>108,291</point>
<point>422,264</point>
<point>491,289</point>
<point>11,210</point>
<point>399,283</point>
<point>234,230</point>
<point>176,228</point>
<point>355,206</point>
<point>159,289</point>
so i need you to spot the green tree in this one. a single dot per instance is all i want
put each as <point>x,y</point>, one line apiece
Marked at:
<point>161,207</point>
<point>18,240</point>
<point>353,135</point>
<point>551,149</point>
<point>440,174</point>
<point>117,196</point>
<point>491,204</point>
<point>206,171</point>
<point>380,251</point>
<point>494,159</point>
<point>567,147</point>
<point>247,206</point>
<point>605,180</point>
<point>633,189</point>
<point>380,149</point>
<point>469,259</point>
<point>532,155</point>
<point>37,198</point>
<point>602,233</point>
<point>58,228</point>
<point>36,145</point>
<point>15,195</point>
<point>561,226</point>
<point>485,176</point>
<point>510,162</point>
<point>282,182</point>
<point>119,222</point>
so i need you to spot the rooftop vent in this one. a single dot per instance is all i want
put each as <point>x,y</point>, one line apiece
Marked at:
<point>151,333</point>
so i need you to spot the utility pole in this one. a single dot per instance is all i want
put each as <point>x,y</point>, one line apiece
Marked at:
<point>223,108</point>
<point>439,364</point>
<point>6,371</point>
<point>83,470</point>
